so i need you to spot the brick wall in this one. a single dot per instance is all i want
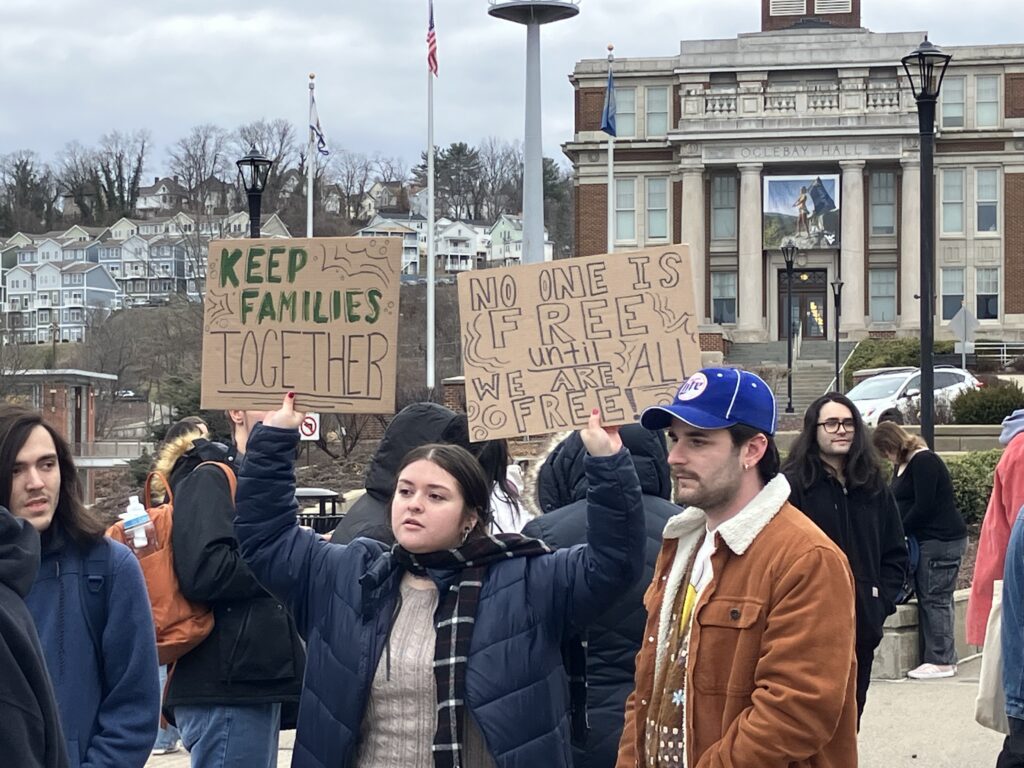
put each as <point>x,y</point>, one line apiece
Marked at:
<point>713,342</point>
<point>591,219</point>
<point>1014,245</point>
<point>770,23</point>
<point>589,106</point>
<point>453,395</point>
<point>882,334</point>
<point>1014,96</point>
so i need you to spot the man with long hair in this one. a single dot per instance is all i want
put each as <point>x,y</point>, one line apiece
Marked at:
<point>836,480</point>
<point>748,655</point>
<point>89,601</point>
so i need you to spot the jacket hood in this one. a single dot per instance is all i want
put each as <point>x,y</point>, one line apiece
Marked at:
<point>413,426</point>
<point>195,454</point>
<point>1013,425</point>
<point>562,479</point>
<point>19,553</point>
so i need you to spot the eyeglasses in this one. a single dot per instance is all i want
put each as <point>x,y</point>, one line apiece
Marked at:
<point>832,425</point>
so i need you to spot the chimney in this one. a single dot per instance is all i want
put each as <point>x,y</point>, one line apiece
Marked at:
<point>785,14</point>
<point>156,180</point>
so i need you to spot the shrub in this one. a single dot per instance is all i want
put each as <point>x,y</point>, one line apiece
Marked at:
<point>988,405</point>
<point>972,481</point>
<point>884,353</point>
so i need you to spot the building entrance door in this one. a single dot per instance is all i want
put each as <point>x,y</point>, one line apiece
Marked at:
<point>810,303</point>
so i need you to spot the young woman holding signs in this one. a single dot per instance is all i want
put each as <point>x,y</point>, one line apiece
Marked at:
<point>445,650</point>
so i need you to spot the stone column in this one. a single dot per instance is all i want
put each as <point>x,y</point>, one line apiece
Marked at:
<point>750,326</point>
<point>693,232</point>
<point>909,279</point>
<point>852,255</point>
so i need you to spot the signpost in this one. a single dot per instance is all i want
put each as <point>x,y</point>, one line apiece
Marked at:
<point>318,317</point>
<point>544,344</point>
<point>964,326</point>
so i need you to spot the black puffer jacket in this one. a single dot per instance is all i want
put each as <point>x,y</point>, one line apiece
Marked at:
<point>254,654</point>
<point>30,734</point>
<point>413,426</point>
<point>615,637</point>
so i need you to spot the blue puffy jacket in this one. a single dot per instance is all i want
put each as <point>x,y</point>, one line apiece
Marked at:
<point>109,697</point>
<point>343,598</point>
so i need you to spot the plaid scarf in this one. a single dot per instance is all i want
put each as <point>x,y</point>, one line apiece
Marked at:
<point>455,617</point>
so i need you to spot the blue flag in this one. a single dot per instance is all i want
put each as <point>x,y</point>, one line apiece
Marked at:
<point>608,113</point>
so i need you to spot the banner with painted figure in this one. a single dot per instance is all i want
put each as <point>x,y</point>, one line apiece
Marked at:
<point>803,210</point>
<point>544,344</point>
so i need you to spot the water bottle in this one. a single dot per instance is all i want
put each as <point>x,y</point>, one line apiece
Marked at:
<point>136,519</point>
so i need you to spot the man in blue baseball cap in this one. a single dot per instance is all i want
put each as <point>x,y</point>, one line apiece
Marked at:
<point>748,656</point>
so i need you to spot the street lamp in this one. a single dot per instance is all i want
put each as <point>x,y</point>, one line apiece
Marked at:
<point>789,252</point>
<point>254,169</point>
<point>533,14</point>
<point>925,68</point>
<point>837,292</point>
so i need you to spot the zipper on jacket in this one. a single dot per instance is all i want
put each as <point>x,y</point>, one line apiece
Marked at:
<point>387,638</point>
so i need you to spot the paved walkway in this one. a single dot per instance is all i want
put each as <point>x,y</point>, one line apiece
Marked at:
<point>924,724</point>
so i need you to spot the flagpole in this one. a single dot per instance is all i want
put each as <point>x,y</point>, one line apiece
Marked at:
<point>611,169</point>
<point>310,160</point>
<point>431,258</point>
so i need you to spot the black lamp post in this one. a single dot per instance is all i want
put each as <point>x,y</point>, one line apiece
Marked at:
<point>789,251</point>
<point>837,293</point>
<point>254,169</point>
<point>925,68</point>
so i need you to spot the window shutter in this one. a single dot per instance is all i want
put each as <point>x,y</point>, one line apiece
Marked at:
<point>788,7</point>
<point>833,6</point>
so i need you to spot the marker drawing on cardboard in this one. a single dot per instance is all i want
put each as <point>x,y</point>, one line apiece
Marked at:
<point>543,344</point>
<point>315,316</point>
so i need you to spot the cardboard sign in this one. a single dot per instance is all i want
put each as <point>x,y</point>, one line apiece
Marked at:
<point>318,317</point>
<point>544,344</point>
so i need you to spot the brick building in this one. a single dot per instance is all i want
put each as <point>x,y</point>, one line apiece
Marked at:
<point>807,132</point>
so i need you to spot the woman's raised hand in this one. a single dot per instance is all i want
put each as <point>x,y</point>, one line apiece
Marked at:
<point>599,440</point>
<point>286,417</point>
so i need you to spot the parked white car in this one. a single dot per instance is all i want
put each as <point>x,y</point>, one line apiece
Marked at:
<point>893,396</point>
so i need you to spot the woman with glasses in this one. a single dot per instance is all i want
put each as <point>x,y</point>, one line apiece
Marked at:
<point>924,493</point>
<point>836,480</point>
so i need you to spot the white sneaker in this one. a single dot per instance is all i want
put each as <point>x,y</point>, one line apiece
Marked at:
<point>932,671</point>
<point>166,750</point>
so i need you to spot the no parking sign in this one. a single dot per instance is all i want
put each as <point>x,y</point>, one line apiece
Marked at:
<point>310,427</point>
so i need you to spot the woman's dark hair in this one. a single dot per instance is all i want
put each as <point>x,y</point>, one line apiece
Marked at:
<point>890,438</point>
<point>493,457</point>
<point>862,468</point>
<point>464,467</point>
<point>16,424</point>
<point>768,466</point>
<point>185,426</point>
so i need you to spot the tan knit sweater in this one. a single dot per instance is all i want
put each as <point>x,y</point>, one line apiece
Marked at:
<point>401,715</point>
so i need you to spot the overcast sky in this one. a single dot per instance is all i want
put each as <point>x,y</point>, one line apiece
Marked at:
<point>75,69</point>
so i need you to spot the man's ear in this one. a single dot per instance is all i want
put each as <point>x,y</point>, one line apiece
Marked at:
<point>755,449</point>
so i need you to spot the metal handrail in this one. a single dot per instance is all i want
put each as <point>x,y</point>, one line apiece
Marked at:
<point>1003,351</point>
<point>798,340</point>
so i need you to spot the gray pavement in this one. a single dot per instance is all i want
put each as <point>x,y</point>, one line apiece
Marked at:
<point>924,724</point>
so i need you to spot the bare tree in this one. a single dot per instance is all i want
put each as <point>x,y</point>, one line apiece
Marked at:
<point>390,169</point>
<point>80,182</point>
<point>200,161</point>
<point>351,171</point>
<point>120,162</point>
<point>28,193</point>
<point>275,139</point>
<point>501,177</point>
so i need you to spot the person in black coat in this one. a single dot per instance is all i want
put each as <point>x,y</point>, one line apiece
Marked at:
<point>415,425</point>
<point>30,733</point>
<point>836,479</point>
<point>615,638</point>
<point>232,693</point>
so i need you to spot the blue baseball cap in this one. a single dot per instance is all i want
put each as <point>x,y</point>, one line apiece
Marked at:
<point>717,398</point>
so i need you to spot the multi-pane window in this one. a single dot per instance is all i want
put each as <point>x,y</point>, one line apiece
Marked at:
<point>953,102</point>
<point>723,297</point>
<point>987,199</point>
<point>657,111</point>
<point>625,112</point>
<point>952,292</point>
<point>625,209</point>
<point>883,203</point>
<point>882,293</point>
<point>723,207</point>
<point>986,101</point>
<point>986,290</point>
<point>953,201</point>
<point>657,208</point>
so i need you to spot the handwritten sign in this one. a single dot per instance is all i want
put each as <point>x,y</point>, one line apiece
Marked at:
<point>318,317</point>
<point>544,344</point>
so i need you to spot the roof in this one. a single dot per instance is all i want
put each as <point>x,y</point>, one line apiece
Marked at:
<point>173,188</point>
<point>61,373</point>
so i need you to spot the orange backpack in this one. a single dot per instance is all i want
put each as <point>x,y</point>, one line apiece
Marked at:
<point>180,624</point>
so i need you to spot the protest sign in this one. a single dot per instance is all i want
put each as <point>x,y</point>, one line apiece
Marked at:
<point>318,317</point>
<point>544,344</point>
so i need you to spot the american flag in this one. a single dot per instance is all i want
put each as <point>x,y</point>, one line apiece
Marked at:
<point>432,43</point>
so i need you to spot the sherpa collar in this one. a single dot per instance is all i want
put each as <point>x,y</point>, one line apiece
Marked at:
<point>740,531</point>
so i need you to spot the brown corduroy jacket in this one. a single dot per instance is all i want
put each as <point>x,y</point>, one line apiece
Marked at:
<point>771,672</point>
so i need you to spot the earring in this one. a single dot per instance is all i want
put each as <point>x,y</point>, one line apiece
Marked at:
<point>746,466</point>
<point>465,533</point>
